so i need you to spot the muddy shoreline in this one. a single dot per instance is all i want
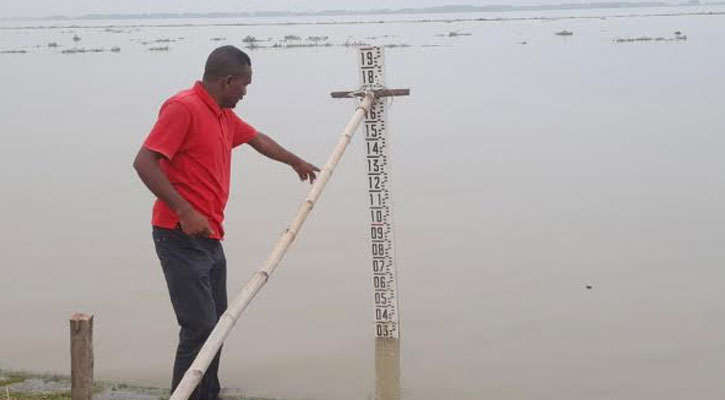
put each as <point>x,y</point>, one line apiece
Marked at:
<point>24,385</point>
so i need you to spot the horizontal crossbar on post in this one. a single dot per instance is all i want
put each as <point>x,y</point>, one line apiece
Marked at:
<point>378,93</point>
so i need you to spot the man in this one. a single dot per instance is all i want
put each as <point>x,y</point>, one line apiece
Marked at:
<point>186,162</point>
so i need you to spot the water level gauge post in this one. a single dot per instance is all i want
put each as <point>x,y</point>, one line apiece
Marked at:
<point>386,316</point>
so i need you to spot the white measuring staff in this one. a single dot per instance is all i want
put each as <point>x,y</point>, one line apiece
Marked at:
<point>377,156</point>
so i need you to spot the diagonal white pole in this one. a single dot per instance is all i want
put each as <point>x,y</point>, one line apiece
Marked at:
<point>226,322</point>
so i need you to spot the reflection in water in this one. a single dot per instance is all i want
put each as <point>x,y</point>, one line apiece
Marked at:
<point>387,368</point>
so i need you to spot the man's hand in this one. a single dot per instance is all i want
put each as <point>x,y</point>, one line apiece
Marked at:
<point>193,223</point>
<point>305,170</point>
<point>147,166</point>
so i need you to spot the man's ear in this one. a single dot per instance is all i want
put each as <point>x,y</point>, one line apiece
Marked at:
<point>227,80</point>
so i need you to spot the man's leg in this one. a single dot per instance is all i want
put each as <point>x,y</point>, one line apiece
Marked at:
<point>210,386</point>
<point>187,267</point>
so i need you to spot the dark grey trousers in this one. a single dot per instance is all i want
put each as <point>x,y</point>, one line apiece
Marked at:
<point>196,274</point>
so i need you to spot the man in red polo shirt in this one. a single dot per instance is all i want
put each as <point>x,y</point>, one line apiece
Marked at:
<point>186,162</point>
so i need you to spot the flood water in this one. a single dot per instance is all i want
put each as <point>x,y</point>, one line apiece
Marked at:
<point>523,174</point>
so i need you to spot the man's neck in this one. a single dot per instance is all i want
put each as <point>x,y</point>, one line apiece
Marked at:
<point>211,89</point>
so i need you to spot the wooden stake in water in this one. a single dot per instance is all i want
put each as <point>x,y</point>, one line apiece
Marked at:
<point>81,356</point>
<point>382,245</point>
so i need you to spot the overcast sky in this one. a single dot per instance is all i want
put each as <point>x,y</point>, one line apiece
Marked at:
<point>43,8</point>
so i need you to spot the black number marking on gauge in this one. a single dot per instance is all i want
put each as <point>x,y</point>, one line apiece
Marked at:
<point>372,72</point>
<point>379,266</point>
<point>376,200</point>
<point>372,130</point>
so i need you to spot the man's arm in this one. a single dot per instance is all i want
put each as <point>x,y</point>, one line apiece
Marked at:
<point>266,146</point>
<point>148,169</point>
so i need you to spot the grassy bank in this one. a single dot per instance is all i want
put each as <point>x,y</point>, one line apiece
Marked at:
<point>18,385</point>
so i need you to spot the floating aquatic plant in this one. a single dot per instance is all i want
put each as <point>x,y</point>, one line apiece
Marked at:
<point>650,39</point>
<point>77,50</point>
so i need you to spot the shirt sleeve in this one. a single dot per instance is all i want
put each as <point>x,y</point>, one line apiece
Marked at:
<point>170,130</point>
<point>243,132</point>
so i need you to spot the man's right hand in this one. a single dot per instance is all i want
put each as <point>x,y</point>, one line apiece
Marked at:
<point>147,166</point>
<point>193,223</point>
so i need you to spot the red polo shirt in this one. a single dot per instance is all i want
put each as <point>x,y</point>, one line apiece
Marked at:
<point>196,138</point>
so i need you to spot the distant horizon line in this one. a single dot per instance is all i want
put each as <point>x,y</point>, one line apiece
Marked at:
<point>452,8</point>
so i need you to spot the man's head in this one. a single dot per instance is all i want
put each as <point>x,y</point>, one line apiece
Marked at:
<point>227,73</point>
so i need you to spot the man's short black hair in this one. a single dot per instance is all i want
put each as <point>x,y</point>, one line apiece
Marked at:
<point>224,61</point>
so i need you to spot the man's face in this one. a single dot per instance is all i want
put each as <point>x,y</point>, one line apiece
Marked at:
<point>234,87</point>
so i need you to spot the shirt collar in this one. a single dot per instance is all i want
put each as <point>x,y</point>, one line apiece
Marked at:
<point>206,97</point>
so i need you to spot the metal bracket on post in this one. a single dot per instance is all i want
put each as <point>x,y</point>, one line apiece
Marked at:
<point>377,93</point>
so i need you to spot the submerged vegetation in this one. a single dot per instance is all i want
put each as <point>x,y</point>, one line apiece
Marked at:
<point>38,396</point>
<point>164,40</point>
<point>454,34</point>
<point>678,37</point>
<point>317,38</point>
<point>286,40</point>
<point>355,43</point>
<point>77,50</point>
<point>10,379</point>
<point>290,42</point>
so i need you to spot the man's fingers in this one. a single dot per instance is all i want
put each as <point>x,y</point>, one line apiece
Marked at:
<point>204,232</point>
<point>306,171</point>
<point>312,174</point>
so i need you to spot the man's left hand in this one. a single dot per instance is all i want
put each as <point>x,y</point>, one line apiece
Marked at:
<point>305,170</point>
